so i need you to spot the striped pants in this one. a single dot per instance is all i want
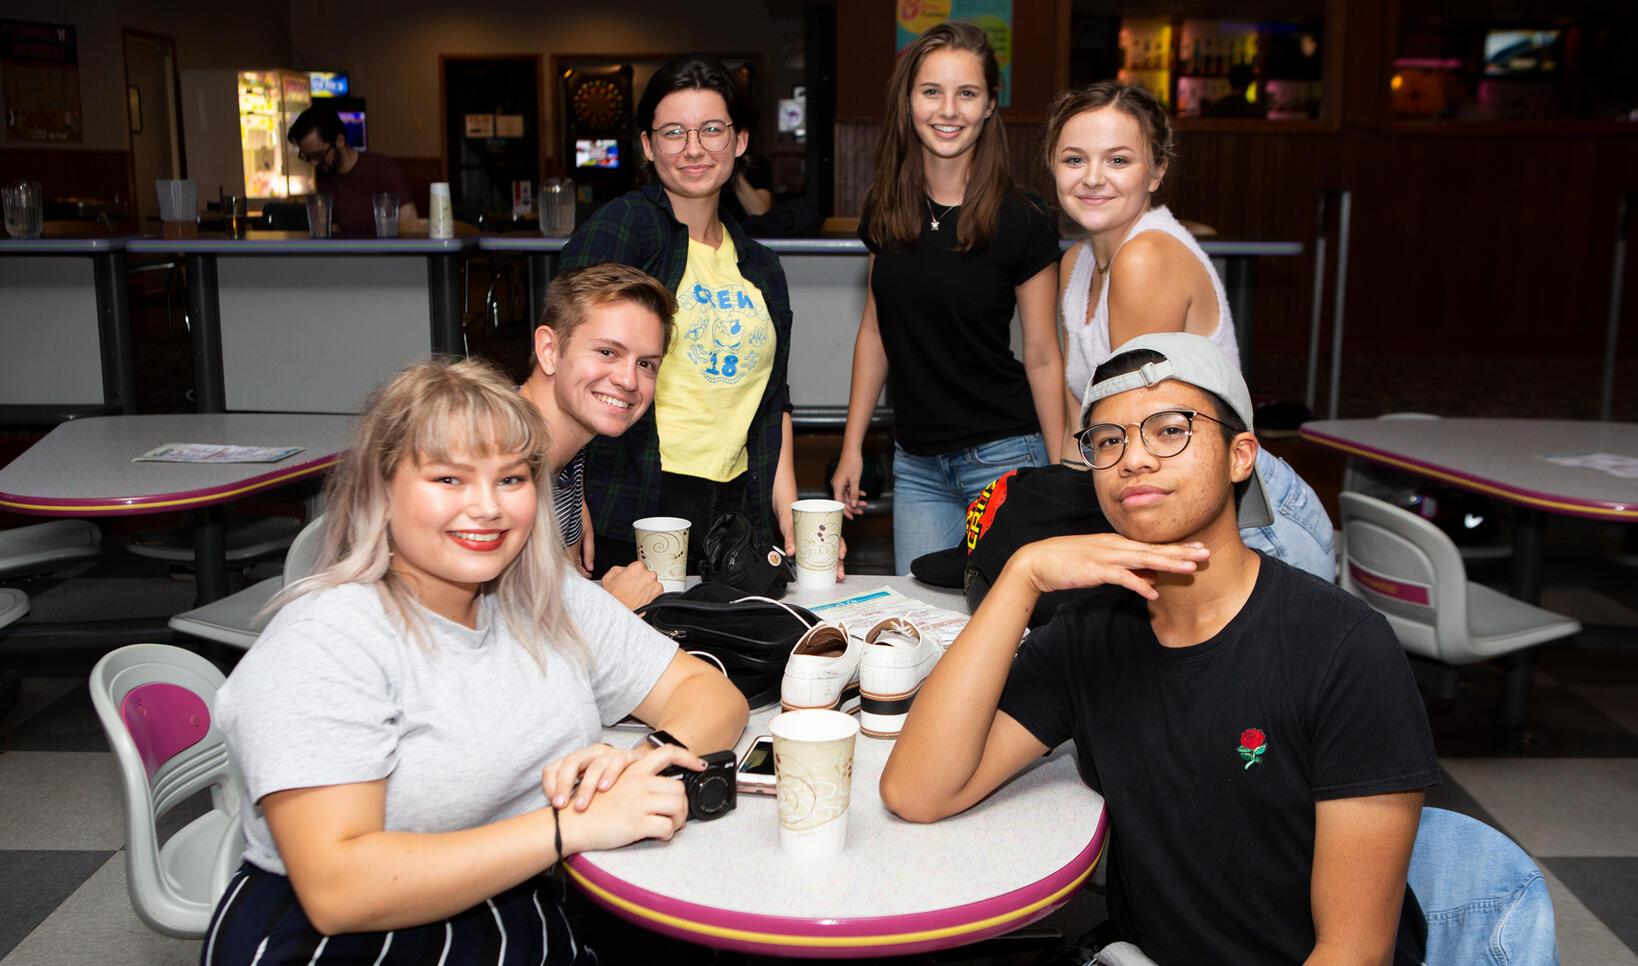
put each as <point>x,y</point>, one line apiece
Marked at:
<point>260,922</point>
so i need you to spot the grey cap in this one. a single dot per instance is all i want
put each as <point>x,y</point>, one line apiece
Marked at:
<point>1194,360</point>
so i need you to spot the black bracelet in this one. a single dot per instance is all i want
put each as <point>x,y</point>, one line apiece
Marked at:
<point>557,834</point>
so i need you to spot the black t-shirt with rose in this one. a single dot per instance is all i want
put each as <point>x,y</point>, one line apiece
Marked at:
<point>1210,758</point>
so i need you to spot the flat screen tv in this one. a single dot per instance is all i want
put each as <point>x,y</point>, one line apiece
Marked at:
<point>597,153</point>
<point>357,131</point>
<point>1520,52</point>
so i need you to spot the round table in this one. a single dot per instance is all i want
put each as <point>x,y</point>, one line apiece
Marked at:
<point>899,887</point>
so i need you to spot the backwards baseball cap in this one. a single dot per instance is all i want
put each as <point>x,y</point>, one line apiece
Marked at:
<point>1194,360</point>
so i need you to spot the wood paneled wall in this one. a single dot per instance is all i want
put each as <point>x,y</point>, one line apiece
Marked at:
<point>73,173</point>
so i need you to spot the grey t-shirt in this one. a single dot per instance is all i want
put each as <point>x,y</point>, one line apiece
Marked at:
<point>335,692</point>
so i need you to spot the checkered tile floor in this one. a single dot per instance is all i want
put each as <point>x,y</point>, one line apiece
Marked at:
<point>1570,799</point>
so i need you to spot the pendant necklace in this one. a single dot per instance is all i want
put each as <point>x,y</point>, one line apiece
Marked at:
<point>935,217</point>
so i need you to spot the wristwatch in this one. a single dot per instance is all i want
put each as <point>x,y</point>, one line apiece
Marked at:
<point>659,739</point>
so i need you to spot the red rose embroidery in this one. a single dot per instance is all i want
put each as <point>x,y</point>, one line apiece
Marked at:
<point>1252,745</point>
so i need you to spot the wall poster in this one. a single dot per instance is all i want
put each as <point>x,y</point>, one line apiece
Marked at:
<point>995,16</point>
<point>40,75</point>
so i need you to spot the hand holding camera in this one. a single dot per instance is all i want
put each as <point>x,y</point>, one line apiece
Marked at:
<point>582,774</point>
<point>641,804</point>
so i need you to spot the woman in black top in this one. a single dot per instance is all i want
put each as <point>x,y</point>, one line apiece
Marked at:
<point>955,248</point>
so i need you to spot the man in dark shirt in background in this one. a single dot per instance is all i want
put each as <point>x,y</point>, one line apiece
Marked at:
<point>350,177</point>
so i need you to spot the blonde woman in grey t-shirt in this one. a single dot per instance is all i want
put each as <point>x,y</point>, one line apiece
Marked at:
<point>412,724</point>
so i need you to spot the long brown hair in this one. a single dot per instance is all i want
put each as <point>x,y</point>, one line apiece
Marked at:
<point>896,200</point>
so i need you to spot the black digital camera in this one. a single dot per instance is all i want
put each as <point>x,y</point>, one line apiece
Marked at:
<point>712,792</point>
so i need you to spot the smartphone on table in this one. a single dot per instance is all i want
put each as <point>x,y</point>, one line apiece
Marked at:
<point>756,769</point>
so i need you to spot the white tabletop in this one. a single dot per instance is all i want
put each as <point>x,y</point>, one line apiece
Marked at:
<point>1499,457</point>
<point>899,886</point>
<point>83,467</point>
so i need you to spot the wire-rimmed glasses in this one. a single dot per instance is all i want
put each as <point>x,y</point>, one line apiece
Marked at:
<point>673,138</point>
<point>1164,434</point>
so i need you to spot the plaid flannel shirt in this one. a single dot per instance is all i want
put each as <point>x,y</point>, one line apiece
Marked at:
<point>623,472</point>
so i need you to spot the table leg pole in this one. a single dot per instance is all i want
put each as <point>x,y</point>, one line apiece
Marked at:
<point>1529,554</point>
<point>205,308</point>
<point>210,555</point>
<point>444,287</point>
<point>540,276</point>
<point>1241,283</point>
<point>114,319</point>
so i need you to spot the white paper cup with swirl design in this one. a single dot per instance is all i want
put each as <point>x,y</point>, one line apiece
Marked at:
<point>818,525</point>
<point>813,759</point>
<point>662,544</point>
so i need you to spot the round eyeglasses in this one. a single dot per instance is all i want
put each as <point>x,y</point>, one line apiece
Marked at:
<point>673,138</point>
<point>1165,434</point>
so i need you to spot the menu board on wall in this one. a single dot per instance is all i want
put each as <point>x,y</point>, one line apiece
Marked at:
<point>40,74</point>
<point>995,16</point>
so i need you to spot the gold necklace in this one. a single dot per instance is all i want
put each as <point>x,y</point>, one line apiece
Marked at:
<point>935,217</point>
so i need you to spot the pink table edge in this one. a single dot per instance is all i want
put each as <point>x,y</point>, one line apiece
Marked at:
<point>1550,502</point>
<point>112,506</point>
<point>839,938</point>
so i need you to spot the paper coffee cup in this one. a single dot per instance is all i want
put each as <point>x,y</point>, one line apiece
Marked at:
<point>662,544</point>
<point>818,525</point>
<point>813,762</point>
<point>441,219</point>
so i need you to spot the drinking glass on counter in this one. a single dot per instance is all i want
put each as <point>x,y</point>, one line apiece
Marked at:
<point>178,207</point>
<point>556,207</point>
<point>386,214</point>
<point>25,209</point>
<point>235,208</point>
<point>318,216</point>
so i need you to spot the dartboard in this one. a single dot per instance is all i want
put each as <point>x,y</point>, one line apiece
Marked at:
<point>598,104</point>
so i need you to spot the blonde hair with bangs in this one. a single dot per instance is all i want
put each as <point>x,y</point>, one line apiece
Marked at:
<point>437,411</point>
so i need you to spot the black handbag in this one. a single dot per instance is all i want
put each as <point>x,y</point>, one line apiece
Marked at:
<point>750,637</point>
<point>735,554</point>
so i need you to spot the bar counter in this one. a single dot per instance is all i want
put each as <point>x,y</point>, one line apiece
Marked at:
<point>287,323</point>
<point>65,346</point>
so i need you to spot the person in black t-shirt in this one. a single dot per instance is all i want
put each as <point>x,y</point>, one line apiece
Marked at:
<point>955,247</point>
<point>1255,732</point>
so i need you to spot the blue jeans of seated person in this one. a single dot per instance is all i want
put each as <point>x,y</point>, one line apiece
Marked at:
<point>1301,533</point>
<point>931,493</point>
<point>1485,900</point>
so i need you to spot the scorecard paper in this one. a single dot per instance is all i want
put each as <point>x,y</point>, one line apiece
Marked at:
<point>216,453</point>
<point>1615,464</point>
<point>863,611</point>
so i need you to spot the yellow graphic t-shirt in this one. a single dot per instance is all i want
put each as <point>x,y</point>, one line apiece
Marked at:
<point>716,369</point>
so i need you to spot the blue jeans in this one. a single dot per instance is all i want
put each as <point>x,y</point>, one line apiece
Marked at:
<point>931,493</point>
<point>1484,900</point>
<point>1301,532</point>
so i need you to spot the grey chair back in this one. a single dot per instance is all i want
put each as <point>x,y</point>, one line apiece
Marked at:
<point>1408,569</point>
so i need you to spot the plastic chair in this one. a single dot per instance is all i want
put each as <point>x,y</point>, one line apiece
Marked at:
<point>156,703</point>
<point>13,605</point>
<point>44,547</point>
<point>246,541</point>
<point>1410,571</point>
<point>1484,899</point>
<point>237,620</point>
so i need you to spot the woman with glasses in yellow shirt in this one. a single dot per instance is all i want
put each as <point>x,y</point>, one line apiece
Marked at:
<point>718,438</point>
